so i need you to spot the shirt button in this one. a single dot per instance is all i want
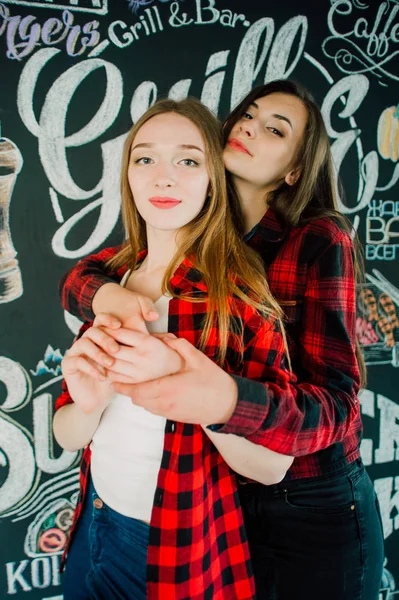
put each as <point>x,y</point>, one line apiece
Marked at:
<point>98,503</point>
<point>173,427</point>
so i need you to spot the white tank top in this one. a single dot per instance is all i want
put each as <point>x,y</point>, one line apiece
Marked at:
<point>127,447</point>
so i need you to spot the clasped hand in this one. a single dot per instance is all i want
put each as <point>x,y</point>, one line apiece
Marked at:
<point>164,374</point>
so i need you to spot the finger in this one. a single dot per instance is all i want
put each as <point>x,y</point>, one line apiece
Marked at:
<point>119,378</point>
<point>106,320</point>
<point>102,339</point>
<point>126,389</point>
<point>90,346</point>
<point>135,323</point>
<point>164,336</point>
<point>143,392</point>
<point>186,350</point>
<point>123,367</point>
<point>79,364</point>
<point>148,309</point>
<point>128,337</point>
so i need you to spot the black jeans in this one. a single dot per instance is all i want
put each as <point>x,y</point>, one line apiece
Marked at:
<point>316,538</point>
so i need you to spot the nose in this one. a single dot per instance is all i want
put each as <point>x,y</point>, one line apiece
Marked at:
<point>248,128</point>
<point>164,176</point>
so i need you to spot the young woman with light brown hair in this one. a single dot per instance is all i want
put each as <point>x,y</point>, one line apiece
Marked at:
<point>318,533</point>
<point>159,514</point>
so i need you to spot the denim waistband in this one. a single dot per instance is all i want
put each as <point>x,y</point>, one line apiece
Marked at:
<point>287,484</point>
<point>113,515</point>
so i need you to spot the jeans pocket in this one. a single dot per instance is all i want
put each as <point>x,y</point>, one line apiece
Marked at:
<point>97,534</point>
<point>324,497</point>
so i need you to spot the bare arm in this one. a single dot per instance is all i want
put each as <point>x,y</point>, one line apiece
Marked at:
<point>250,460</point>
<point>87,391</point>
<point>73,429</point>
<point>87,289</point>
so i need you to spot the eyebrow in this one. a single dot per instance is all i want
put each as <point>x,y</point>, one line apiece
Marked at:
<point>275,115</point>
<point>181,146</point>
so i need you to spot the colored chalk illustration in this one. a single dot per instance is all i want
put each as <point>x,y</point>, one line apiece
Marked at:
<point>51,363</point>
<point>49,531</point>
<point>10,275</point>
<point>377,321</point>
<point>388,133</point>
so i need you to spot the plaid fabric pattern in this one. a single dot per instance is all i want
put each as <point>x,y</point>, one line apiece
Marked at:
<point>198,547</point>
<point>316,416</point>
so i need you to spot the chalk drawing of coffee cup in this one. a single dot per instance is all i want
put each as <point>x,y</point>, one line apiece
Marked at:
<point>10,274</point>
<point>388,133</point>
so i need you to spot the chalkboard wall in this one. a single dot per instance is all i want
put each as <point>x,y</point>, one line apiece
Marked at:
<point>74,74</point>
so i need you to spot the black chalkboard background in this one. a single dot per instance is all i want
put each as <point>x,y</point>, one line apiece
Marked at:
<point>59,64</point>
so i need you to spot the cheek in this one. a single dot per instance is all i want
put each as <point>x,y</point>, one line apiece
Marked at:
<point>199,184</point>
<point>137,181</point>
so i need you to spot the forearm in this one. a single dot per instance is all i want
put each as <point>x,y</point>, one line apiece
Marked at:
<point>115,300</point>
<point>319,406</point>
<point>81,283</point>
<point>250,460</point>
<point>296,419</point>
<point>74,429</point>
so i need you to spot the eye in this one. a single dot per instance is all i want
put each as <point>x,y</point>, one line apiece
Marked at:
<point>189,162</point>
<point>247,115</point>
<point>145,160</point>
<point>275,131</point>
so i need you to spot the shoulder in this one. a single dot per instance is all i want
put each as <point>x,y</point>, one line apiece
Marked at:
<point>330,229</point>
<point>319,235</point>
<point>104,255</point>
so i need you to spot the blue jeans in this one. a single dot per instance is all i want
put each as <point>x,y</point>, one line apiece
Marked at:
<point>107,559</point>
<point>315,538</point>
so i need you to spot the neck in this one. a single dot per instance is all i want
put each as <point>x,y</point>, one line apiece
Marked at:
<point>253,201</point>
<point>161,248</point>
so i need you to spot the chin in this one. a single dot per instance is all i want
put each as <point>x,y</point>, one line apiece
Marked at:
<point>236,169</point>
<point>231,162</point>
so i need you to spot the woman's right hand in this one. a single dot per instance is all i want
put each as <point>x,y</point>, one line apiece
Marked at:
<point>84,365</point>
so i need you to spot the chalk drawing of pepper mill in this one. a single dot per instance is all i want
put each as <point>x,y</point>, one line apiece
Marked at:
<point>10,274</point>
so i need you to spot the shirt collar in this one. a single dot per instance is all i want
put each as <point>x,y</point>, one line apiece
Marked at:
<point>269,228</point>
<point>186,278</point>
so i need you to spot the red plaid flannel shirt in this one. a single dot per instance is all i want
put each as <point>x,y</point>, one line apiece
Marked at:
<point>315,417</point>
<point>198,547</point>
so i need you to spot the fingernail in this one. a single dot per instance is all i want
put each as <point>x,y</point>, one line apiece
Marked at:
<point>108,360</point>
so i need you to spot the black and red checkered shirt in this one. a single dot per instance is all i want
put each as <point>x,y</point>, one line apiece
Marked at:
<point>316,417</point>
<point>198,547</point>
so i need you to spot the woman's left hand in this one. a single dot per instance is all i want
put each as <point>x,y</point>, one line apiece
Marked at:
<point>141,357</point>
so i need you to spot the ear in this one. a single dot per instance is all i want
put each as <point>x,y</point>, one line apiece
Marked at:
<point>292,177</point>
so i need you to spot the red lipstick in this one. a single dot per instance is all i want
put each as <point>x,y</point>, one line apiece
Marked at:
<point>238,145</point>
<point>164,202</point>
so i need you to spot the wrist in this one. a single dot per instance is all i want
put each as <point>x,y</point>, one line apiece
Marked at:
<point>230,396</point>
<point>104,299</point>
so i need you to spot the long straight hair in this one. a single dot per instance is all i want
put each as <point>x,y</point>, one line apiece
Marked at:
<point>314,193</point>
<point>228,266</point>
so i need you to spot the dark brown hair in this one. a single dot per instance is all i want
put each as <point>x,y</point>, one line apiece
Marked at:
<point>314,193</point>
